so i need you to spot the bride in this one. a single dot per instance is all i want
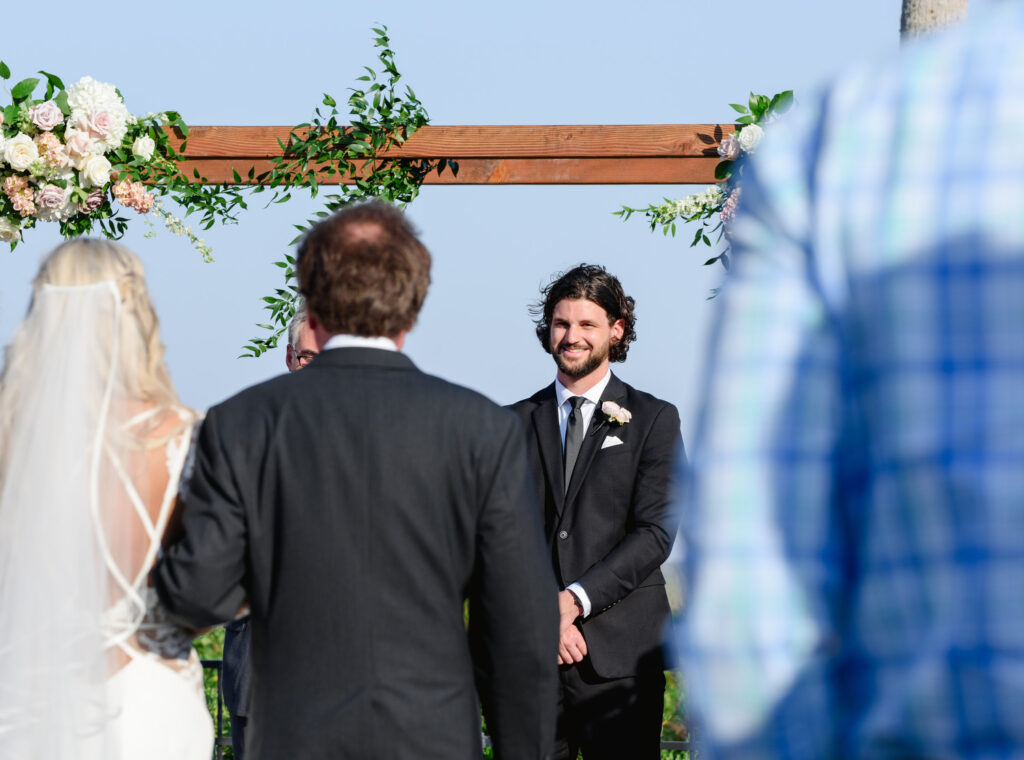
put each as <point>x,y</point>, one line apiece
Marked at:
<point>93,440</point>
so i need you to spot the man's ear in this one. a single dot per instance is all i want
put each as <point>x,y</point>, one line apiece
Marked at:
<point>618,330</point>
<point>320,334</point>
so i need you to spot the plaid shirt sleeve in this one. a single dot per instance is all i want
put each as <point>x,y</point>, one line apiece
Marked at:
<point>854,538</point>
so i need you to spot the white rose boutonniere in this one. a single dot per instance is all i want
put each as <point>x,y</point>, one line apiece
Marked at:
<point>615,413</point>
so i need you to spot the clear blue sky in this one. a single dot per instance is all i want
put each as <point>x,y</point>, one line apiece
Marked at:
<point>529,62</point>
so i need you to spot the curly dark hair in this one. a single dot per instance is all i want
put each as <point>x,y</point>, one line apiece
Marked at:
<point>593,283</point>
<point>363,271</point>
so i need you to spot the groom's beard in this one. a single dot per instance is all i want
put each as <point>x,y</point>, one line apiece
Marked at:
<point>577,368</point>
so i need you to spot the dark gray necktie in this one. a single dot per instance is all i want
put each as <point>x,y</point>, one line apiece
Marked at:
<point>573,436</point>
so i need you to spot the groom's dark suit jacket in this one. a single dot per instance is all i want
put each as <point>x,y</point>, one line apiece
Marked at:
<point>612,529</point>
<point>356,504</point>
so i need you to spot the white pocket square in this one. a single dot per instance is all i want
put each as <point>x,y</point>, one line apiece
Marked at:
<point>611,441</point>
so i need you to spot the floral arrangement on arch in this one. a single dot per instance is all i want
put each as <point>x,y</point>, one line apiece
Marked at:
<point>715,206</point>
<point>77,157</point>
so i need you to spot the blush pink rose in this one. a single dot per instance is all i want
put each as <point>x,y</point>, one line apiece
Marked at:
<point>729,150</point>
<point>50,197</point>
<point>101,124</point>
<point>80,143</point>
<point>46,115</point>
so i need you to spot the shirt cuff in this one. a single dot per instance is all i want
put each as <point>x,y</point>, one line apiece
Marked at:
<point>577,589</point>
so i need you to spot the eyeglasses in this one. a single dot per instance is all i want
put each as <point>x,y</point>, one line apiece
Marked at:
<point>302,358</point>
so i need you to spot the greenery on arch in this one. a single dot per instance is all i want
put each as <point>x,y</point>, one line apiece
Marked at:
<point>715,206</point>
<point>380,117</point>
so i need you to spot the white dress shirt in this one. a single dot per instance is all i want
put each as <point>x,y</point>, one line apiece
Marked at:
<point>592,399</point>
<point>341,340</point>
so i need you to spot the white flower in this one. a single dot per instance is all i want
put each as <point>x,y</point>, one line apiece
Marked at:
<point>616,413</point>
<point>87,99</point>
<point>53,204</point>
<point>20,152</point>
<point>89,96</point>
<point>143,147</point>
<point>750,137</point>
<point>96,172</point>
<point>9,232</point>
<point>46,115</point>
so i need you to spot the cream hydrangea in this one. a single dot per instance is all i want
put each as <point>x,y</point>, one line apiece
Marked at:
<point>94,104</point>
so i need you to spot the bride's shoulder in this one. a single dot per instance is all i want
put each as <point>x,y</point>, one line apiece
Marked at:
<point>159,424</point>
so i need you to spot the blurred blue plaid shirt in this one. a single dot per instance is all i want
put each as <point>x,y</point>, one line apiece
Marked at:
<point>855,527</point>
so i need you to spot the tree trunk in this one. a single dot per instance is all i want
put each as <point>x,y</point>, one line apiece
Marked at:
<point>924,16</point>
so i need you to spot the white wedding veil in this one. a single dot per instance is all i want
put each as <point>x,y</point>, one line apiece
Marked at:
<point>66,556</point>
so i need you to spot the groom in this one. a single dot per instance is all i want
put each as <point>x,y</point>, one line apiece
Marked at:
<point>603,453</point>
<point>355,505</point>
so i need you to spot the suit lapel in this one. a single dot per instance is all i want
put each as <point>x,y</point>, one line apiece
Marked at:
<point>599,426</point>
<point>549,440</point>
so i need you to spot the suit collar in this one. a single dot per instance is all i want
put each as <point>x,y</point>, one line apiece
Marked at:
<point>360,357</point>
<point>545,422</point>
<point>549,440</point>
<point>594,394</point>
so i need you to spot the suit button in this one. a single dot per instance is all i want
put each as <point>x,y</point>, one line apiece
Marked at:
<point>563,534</point>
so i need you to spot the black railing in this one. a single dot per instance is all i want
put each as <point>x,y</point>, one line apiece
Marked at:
<point>223,741</point>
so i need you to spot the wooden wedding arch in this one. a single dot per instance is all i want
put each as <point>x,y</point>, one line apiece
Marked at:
<point>661,154</point>
<point>585,154</point>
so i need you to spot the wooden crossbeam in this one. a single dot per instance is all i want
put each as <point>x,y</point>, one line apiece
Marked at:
<point>499,155</point>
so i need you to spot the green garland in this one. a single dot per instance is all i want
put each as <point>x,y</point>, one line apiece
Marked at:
<point>379,118</point>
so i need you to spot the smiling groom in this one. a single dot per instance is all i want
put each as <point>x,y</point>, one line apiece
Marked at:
<point>603,454</point>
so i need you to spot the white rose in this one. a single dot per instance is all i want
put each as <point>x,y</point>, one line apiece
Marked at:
<point>9,232</point>
<point>96,172</point>
<point>20,152</point>
<point>750,137</point>
<point>143,147</point>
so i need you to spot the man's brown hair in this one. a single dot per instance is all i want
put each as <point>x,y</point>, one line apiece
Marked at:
<point>363,271</point>
<point>593,283</point>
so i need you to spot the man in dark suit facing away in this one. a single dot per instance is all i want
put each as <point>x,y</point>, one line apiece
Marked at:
<point>603,454</point>
<point>236,668</point>
<point>355,505</point>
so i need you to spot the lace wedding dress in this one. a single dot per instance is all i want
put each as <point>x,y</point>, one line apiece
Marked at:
<point>157,697</point>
